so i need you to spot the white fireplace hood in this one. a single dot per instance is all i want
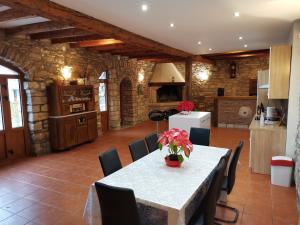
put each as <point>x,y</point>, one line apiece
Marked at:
<point>166,73</point>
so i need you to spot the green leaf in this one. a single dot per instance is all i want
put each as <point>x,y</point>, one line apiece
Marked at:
<point>180,158</point>
<point>160,146</point>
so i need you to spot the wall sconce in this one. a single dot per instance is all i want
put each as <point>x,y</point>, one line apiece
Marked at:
<point>232,70</point>
<point>203,75</point>
<point>141,75</point>
<point>66,72</point>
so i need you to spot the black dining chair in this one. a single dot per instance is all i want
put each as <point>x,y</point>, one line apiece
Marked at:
<point>200,136</point>
<point>229,183</point>
<point>207,210</point>
<point>110,161</point>
<point>152,142</point>
<point>138,149</point>
<point>118,205</point>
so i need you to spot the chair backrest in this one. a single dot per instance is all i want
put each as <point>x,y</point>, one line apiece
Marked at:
<point>118,205</point>
<point>232,167</point>
<point>200,136</point>
<point>210,201</point>
<point>110,161</point>
<point>152,142</point>
<point>138,149</point>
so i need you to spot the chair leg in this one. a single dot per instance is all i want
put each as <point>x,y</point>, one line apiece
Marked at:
<point>236,212</point>
<point>157,127</point>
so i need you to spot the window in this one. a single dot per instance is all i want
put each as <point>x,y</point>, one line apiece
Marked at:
<point>103,92</point>
<point>6,71</point>
<point>15,102</point>
<point>102,97</point>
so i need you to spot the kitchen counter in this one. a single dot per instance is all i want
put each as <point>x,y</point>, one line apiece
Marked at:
<point>265,142</point>
<point>255,124</point>
<point>236,97</point>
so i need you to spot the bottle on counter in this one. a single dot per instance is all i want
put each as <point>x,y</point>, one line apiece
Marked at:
<point>258,110</point>
<point>262,108</point>
<point>262,120</point>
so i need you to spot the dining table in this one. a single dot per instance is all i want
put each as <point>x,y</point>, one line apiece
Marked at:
<point>164,195</point>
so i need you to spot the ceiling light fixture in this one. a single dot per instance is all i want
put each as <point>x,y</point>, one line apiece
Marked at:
<point>236,14</point>
<point>144,7</point>
<point>245,45</point>
<point>172,25</point>
<point>240,38</point>
<point>199,43</point>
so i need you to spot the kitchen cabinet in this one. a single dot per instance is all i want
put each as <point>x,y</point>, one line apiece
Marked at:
<point>279,72</point>
<point>265,142</point>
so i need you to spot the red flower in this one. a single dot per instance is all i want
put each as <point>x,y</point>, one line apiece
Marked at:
<point>186,106</point>
<point>177,140</point>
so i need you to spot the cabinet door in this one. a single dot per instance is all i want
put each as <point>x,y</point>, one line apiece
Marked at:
<point>70,132</point>
<point>279,76</point>
<point>92,124</point>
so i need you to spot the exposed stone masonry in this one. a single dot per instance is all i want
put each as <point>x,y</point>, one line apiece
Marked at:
<point>41,63</point>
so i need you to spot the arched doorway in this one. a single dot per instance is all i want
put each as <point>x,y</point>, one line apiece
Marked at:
<point>126,102</point>
<point>13,130</point>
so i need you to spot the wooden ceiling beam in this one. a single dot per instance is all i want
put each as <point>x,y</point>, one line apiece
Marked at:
<point>95,43</point>
<point>63,14</point>
<point>36,28</point>
<point>237,54</point>
<point>12,14</point>
<point>76,39</point>
<point>70,32</point>
<point>108,48</point>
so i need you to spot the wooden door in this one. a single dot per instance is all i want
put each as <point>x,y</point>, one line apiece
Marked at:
<point>103,103</point>
<point>12,131</point>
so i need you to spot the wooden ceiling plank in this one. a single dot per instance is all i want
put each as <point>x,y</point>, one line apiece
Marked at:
<point>62,14</point>
<point>36,28</point>
<point>70,32</point>
<point>12,14</point>
<point>76,39</point>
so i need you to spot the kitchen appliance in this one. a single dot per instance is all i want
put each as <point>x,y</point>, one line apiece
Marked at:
<point>272,114</point>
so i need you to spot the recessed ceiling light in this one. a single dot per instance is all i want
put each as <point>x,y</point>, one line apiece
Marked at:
<point>144,7</point>
<point>245,45</point>
<point>210,49</point>
<point>199,43</point>
<point>172,25</point>
<point>236,14</point>
<point>240,38</point>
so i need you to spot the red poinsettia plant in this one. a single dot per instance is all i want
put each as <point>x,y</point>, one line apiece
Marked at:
<point>177,141</point>
<point>186,106</point>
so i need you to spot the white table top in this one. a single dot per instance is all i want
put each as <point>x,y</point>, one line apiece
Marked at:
<point>163,187</point>
<point>192,115</point>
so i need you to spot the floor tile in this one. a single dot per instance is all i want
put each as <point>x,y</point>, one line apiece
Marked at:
<point>14,220</point>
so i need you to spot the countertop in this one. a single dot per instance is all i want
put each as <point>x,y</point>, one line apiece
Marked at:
<point>274,127</point>
<point>236,97</point>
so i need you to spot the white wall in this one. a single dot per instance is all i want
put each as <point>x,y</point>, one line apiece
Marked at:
<point>294,94</point>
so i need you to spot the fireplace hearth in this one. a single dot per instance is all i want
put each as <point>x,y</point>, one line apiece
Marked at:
<point>169,93</point>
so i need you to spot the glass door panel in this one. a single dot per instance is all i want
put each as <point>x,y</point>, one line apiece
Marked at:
<point>15,103</point>
<point>102,97</point>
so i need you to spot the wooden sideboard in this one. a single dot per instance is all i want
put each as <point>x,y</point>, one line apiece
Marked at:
<point>265,142</point>
<point>72,119</point>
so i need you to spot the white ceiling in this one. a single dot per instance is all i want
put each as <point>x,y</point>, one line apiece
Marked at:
<point>261,22</point>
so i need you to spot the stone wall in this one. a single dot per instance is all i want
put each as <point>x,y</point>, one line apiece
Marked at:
<point>41,64</point>
<point>203,92</point>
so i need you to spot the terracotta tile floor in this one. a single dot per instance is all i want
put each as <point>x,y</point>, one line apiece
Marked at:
<point>52,189</point>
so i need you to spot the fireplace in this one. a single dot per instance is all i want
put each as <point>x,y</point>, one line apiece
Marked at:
<point>169,93</point>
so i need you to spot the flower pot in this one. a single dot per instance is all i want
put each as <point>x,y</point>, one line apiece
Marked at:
<point>185,112</point>
<point>172,162</point>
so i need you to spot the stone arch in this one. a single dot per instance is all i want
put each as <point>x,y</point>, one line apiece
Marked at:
<point>23,75</point>
<point>127,109</point>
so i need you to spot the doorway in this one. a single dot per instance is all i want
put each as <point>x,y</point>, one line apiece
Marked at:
<point>126,102</point>
<point>12,129</point>
<point>103,101</point>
